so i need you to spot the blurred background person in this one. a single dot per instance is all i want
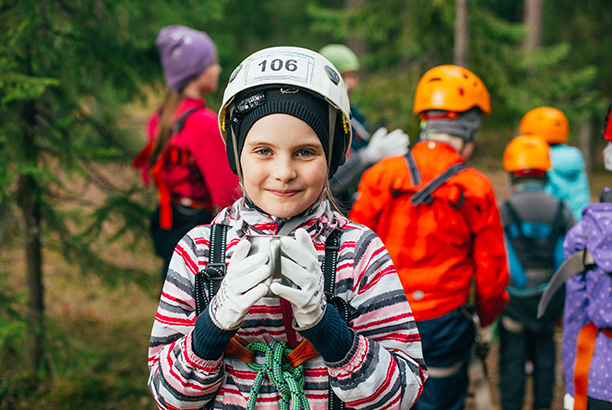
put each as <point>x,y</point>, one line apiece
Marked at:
<point>185,154</point>
<point>366,149</point>
<point>439,220</point>
<point>567,179</point>
<point>587,322</point>
<point>535,224</point>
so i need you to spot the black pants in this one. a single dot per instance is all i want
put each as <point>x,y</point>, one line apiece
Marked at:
<point>446,340</point>
<point>516,348</point>
<point>594,404</point>
<point>183,220</point>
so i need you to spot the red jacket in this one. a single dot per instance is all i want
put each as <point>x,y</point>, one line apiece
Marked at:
<point>201,138</point>
<point>440,247</point>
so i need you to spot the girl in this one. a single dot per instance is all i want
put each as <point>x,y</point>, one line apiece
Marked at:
<point>185,153</point>
<point>285,120</point>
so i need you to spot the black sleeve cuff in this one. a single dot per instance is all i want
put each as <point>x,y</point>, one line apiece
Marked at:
<point>209,342</point>
<point>331,337</point>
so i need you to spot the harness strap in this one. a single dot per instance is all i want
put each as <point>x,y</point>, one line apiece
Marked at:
<point>332,245</point>
<point>213,274</point>
<point>143,156</point>
<point>585,348</point>
<point>214,271</point>
<point>518,272</point>
<point>413,169</point>
<point>556,224</point>
<point>515,219</point>
<point>165,197</point>
<point>237,349</point>
<point>424,195</point>
<point>177,156</point>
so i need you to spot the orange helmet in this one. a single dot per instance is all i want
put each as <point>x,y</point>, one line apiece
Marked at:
<point>546,122</point>
<point>527,153</point>
<point>451,88</point>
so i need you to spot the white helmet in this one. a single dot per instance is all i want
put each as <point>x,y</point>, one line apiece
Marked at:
<point>300,68</point>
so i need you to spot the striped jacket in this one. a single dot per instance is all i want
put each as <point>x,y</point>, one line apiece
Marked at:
<point>384,369</point>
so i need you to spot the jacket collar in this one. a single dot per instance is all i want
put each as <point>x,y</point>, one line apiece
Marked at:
<point>319,221</point>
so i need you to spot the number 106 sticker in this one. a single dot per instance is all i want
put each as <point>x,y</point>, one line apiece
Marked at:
<point>281,66</point>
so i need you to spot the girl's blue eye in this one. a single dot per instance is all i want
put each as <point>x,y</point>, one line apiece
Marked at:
<point>263,151</point>
<point>304,153</point>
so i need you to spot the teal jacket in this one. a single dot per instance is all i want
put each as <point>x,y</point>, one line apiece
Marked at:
<point>568,180</point>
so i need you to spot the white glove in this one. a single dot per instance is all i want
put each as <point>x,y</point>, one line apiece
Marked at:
<point>383,144</point>
<point>607,156</point>
<point>244,284</point>
<point>300,264</point>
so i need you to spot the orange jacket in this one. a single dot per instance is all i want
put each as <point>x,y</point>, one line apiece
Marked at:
<point>438,248</point>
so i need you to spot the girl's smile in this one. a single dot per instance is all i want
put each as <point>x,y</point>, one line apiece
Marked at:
<point>284,165</point>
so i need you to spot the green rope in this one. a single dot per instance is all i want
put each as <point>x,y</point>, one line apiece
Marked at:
<point>288,380</point>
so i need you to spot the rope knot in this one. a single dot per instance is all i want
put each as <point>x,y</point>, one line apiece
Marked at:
<point>288,380</point>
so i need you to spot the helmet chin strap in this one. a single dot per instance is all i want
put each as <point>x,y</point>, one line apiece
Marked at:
<point>234,139</point>
<point>332,131</point>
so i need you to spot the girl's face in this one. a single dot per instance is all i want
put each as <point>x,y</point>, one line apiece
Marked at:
<point>283,165</point>
<point>209,79</point>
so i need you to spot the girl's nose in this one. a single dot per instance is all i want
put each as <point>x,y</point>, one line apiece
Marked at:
<point>283,169</point>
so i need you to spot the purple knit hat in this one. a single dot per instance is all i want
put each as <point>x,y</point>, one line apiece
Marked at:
<point>185,54</point>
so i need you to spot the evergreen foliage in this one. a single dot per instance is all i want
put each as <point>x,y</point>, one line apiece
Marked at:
<point>405,38</point>
<point>69,67</point>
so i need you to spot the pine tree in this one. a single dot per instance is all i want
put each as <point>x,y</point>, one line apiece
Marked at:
<point>405,38</point>
<point>64,67</point>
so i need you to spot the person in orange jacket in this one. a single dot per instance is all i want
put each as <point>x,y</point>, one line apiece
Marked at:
<point>439,220</point>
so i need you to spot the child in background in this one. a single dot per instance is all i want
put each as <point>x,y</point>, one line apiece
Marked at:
<point>567,179</point>
<point>587,324</point>
<point>535,224</point>
<point>185,153</point>
<point>439,219</point>
<point>285,120</point>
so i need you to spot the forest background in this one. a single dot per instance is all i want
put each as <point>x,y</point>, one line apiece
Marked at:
<point>78,78</point>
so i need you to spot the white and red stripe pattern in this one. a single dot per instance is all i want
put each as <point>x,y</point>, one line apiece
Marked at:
<point>384,369</point>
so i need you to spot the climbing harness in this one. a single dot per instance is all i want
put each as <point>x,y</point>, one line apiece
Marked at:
<point>175,156</point>
<point>585,348</point>
<point>529,232</point>
<point>282,365</point>
<point>425,194</point>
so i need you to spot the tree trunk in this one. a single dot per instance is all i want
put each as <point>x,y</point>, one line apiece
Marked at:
<point>29,202</point>
<point>586,143</point>
<point>356,42</point>
<point>533,22</point>
<point>462,35</point>
<point>36,308</point>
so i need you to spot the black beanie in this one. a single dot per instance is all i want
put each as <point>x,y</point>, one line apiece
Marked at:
<point>256,104</point>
